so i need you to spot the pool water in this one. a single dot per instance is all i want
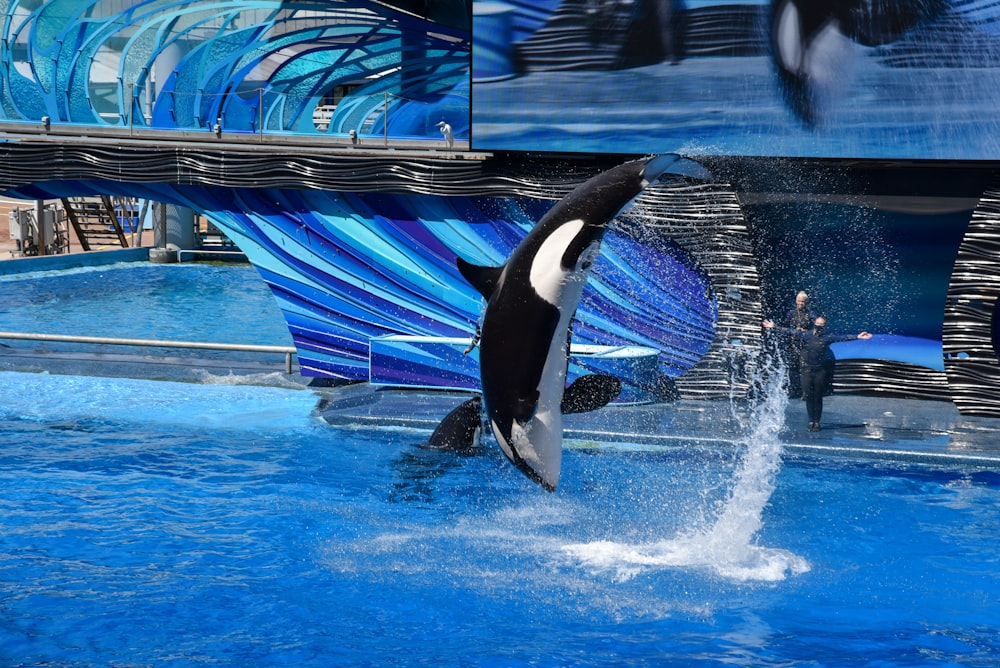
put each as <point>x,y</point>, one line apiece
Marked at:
<point>158,523</point>
<point>147,523</point>
<point>219,303</point>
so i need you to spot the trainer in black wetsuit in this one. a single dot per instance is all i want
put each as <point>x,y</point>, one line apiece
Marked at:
<point>814,346</point>
<point>801,319</point>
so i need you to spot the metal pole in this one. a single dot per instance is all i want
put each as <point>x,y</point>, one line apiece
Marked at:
<point>385,120</point>
<point>43,239</point>
<point>147,112</point>
<point>260,112</point>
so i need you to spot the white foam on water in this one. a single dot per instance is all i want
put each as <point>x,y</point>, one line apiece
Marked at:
<point>69,271</point>
<point>270,379</point>
<point>728,547</point>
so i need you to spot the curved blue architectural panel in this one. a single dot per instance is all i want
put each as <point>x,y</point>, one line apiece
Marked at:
<point>348,268</point>
<point>308,66</point>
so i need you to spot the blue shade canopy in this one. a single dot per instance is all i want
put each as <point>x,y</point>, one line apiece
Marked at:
<point>249,66</point>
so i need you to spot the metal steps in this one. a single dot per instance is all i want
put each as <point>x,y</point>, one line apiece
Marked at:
<point>102,222</point>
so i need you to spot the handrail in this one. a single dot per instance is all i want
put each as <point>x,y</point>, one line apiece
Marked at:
<point>302,142</point>
<point>288,351</point>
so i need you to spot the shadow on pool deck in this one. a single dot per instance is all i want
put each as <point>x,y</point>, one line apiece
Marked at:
<point>853,426</point>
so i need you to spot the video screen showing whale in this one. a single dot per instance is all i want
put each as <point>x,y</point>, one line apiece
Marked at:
<point>911,79</point>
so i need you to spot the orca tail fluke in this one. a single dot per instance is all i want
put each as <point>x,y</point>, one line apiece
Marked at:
<point>671,163</point>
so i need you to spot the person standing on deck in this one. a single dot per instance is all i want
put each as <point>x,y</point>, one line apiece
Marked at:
<point>800,319</point>
<point>814,346</point>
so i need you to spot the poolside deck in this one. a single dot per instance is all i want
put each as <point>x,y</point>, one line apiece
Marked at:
<point>853,426</point>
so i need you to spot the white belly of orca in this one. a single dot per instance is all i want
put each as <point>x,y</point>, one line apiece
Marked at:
<point>538,442</point>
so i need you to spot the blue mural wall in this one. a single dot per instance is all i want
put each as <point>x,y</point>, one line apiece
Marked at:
<point>347,268</point>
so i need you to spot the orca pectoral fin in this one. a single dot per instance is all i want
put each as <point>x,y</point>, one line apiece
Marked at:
<point>483,279</point>
<point>459,430</point>
<point>588,393</point>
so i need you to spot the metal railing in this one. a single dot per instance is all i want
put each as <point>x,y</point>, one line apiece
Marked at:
<point>287,351</point>
<point>308,144</point>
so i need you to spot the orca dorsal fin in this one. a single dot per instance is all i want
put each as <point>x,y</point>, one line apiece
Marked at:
<point>483,279</point>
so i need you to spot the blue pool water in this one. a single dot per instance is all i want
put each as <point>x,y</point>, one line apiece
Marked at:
<point>159,523</point>
<point>189,302</point>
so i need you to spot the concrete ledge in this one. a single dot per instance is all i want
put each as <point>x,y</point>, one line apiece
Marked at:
<point>162,255</point>
<point>72,260</point>
<point>854,427</point>
<point>226,368</point>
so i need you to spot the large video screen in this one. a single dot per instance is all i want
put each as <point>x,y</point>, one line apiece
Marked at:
<point>908,79</point>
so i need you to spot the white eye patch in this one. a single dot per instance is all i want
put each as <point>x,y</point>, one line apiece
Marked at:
<point>547,275</point>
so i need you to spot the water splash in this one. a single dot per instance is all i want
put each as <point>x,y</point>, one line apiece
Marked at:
<point>268,378</point>
<point>729,545</point>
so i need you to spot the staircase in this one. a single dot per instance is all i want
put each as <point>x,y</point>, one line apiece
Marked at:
<point>102,222</point>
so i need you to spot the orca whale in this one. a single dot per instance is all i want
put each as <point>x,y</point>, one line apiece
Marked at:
<point>531,301</point>
<point>803,45</point>
<point>459,431</point>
